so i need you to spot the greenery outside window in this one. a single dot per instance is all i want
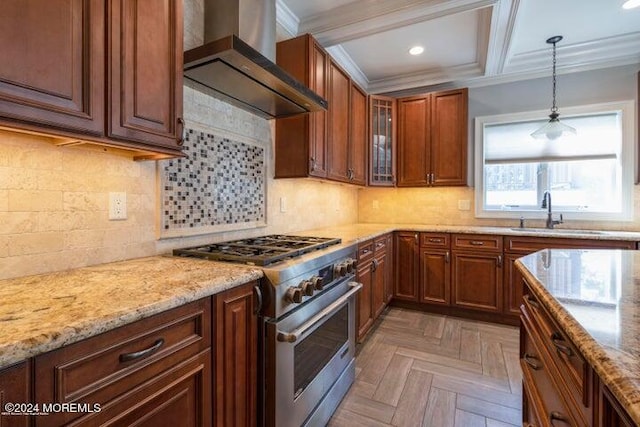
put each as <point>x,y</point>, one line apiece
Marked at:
<point>590,175</point>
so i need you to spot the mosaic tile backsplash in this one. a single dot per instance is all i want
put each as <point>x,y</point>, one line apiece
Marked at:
<point>219,186</point>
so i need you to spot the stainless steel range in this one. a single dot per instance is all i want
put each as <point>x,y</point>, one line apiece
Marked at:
<point>307,322</point>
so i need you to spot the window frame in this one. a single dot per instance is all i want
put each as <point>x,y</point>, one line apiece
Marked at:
<point>628,156</point>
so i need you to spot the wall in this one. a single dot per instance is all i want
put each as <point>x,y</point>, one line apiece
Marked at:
<point>440,205</point>
<point>53,200</point>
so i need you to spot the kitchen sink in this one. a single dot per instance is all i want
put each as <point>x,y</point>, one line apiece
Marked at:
<point>557,230</point>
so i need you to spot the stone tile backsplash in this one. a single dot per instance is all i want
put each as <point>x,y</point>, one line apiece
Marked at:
<point>219,186</point>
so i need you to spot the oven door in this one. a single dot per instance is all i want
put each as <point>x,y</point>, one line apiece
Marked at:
<point>307,353</point>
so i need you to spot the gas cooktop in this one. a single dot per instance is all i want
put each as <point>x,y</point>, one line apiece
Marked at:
<point>259,250</point>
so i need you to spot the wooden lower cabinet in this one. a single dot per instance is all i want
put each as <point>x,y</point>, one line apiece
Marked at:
<point>236,357</point>
<point>15,387</point>
<point>407,265</point>
<point>435,276</point>
<point>611,413</point>
<point>375,273</point>
<point>477,281</point>
<point>364,300</point>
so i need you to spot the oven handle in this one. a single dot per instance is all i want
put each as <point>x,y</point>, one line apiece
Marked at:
<point>293,336</point>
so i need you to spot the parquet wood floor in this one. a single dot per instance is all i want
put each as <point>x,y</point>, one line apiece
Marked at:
<point>421,369</point>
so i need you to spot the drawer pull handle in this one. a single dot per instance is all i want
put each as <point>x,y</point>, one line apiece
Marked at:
<point>557,416</point>
<point>127,357</point>
<point>181,132</point>
<point>499,261</point>
<point>557,340</point>
<point>476,243</point>
<point>365,251</point>
<point>379,244</point>
<point>531,361</point>
<point>532,302</point>
<point>435,240</point>
<point>447,257</point>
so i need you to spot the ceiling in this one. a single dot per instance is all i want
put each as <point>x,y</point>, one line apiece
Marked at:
<point>466,42</point>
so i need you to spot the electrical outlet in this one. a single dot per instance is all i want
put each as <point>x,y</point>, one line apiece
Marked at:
<point>283,204</point>
<point>117,206</point>
<point>464,205</point>
<point>376,204</point>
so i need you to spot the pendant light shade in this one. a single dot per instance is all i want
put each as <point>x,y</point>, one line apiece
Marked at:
<point>554,129</point>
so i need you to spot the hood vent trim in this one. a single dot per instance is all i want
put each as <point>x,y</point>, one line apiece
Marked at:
<point>247,79</point>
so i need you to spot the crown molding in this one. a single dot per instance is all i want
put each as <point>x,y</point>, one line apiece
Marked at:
<point>286,19</point>
<point>503,21</point>
<point>360,19</point>
<point>612,50</point>
<point>347,63</point>
<point>422,79</point>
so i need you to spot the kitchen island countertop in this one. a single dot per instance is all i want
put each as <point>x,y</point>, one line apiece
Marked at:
<point>47,311</point>
<point>594,296</point>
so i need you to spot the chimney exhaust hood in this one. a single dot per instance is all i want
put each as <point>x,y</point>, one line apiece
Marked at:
<point>236,61</point>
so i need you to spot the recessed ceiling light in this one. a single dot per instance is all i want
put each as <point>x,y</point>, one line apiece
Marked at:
<point>416,50</point>
<point>630,4</point>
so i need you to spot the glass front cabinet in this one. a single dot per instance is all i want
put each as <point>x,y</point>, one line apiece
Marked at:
<point>382,146</point>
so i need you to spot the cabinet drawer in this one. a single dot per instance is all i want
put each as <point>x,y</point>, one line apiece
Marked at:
<point>435,240</point>
<point>380,244</point>
<point>545,398</point>
<point>99,368</point>
<point>477,242</point>
<point>365,250</point>
<point>562,351</point>
<point>532,244</point>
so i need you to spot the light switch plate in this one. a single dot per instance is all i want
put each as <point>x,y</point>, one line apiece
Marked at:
<point>464,205</point>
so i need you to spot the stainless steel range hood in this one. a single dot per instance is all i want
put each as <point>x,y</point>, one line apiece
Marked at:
<point>237,61</point>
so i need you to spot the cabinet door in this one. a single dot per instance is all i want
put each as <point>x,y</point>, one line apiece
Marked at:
<point>413,141</point>
<point>301,141</point>
<point>14,388</point>
<point>382,143</point>
<point>363,302</point>
<point>449,137</point>
<point>236,357</point>
<point>389,270</point>
<point>407,259</point>
<point>179,396</point>
<point>358,136</point>
<point>435,276</point>
<point>477,281</point>
<point>52,73</point>
<point>513,285</point>
<point>380,269</point>
<point>338,132</point>
<point>145,71</point>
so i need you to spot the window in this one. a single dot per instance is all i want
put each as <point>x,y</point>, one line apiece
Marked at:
<point>589,176</point>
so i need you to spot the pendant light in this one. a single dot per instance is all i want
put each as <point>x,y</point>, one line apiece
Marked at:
<point>553,129</point>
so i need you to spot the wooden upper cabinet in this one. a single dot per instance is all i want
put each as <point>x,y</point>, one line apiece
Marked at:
<point>93,71</point>
<point>382,142</point>
<point>145,71</point>
<point>432,139</point>
<point>338,134</point>
<point>357,172</point>
<point>52,73</point>
<point>449,137</point>
<point>414,116</point>
<point>301,141</point>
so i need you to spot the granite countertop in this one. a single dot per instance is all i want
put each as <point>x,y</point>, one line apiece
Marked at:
<point>364,231</point>
<point>44,312</point>
<point>594,295</point>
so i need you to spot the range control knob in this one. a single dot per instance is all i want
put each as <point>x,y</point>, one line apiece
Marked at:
<point>318,282</point>
<point>351,265</point>
<point>307,287</point>
<point>294,295</point>
<point>341,269</point>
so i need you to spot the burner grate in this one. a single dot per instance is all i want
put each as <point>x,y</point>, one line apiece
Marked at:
<point>260,251</point>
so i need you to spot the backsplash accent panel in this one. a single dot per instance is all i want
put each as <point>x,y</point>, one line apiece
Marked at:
<point>219,186</point>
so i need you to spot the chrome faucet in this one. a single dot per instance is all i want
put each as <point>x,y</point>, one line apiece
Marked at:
<point>546,204</point>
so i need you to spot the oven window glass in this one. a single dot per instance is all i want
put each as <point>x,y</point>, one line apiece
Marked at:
<point>317,349</point>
